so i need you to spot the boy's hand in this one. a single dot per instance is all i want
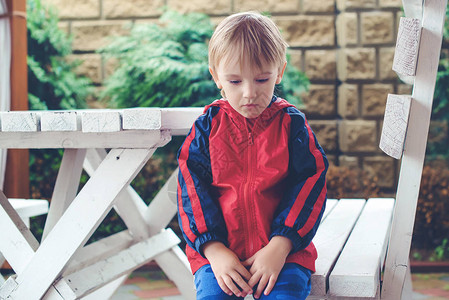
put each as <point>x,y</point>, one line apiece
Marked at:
<point>266,264</point>
<point>227,268</point>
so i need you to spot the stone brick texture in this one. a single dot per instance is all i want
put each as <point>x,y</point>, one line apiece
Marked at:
<point>345,47</point>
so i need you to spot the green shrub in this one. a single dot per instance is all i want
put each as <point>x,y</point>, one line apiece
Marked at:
<point>432,213</point>
<point>52,84</point>
<point>439,147</point>
<point>166,64</point>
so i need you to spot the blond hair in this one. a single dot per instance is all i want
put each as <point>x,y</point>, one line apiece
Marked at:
<point>248,35</point>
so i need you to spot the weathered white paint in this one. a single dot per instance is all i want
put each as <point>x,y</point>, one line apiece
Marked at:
<point>59,121</point>
<point>80,220</point>
<point>17,243</point>
<point>407,44</point>
<point>104,121</point>
<point>78,139</point>
<point>180,120</point>
<point>66,186</point>
<point>27,208</point>
<point>130,211</point>
<point>96,275</point>
<point>357,271</point>
<point>330,239</point>
<point>19,121</point>
<point>414,150</point>
<point>142,118</point>
<point>330,204</point>
<point>94,252</point>
<point>395,125</point>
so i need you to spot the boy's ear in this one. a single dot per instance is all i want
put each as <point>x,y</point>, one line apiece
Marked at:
<point>215,77</point>
<point>281,73</point>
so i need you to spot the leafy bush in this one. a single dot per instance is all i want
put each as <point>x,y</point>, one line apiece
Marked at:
<point>432,214</point>
<point>439,148</point>
<point>345,182</point>
<point>52,84</point>
<point>166,64</point>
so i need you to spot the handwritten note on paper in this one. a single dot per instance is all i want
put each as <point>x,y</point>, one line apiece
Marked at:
<point>395,125</point>
<point>407,45</point>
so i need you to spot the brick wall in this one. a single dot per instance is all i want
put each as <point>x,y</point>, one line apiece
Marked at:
<point>345,47</point>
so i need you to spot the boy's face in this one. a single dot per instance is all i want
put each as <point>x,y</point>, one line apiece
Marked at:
<point>248,88</point>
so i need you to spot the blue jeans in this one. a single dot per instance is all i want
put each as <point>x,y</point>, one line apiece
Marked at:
<point>293,284</point>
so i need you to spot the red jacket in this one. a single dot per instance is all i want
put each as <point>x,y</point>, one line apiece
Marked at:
<point>242,183</point>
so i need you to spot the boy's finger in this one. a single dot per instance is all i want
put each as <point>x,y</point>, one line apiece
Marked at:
<point>254,280</point>
<point>270,286</point>
<point>224,287</point>
<point>261,286</point>
<point>231,285</point>
<point>244,272</point>
<point>248,262</point>
<point>246,289</point>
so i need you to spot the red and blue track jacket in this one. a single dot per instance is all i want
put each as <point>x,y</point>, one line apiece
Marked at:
<point>242,183</point>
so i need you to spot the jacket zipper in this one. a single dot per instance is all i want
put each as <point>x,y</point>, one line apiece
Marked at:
<point>248,204</point>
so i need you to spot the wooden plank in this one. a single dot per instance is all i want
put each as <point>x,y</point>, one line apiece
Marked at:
<point>110,268</point>
<point>66,186</point>
<point>180,119</point>
<point>330,204</point>
<point>414,149</point>
<point>17,243</point>
<point>81,218</point>
<point>59,121</point>
<point>130,209</point>
<point>395,125</point>
<point>19,121</point>
<point>357,271</point>
<point>330,238</point>
<point>94,252</point>
<point>78,139</point>
<point>104,121</point>
<point>407,43</point>
<point>27,208</point>
<point>142,119</point>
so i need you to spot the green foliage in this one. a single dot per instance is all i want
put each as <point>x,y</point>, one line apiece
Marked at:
<point>432,212</point>
<point>166,64</point>
<point>440,112</point>
<point>52,84</point>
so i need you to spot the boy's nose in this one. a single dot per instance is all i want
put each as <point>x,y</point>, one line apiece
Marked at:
<point>249,91</point>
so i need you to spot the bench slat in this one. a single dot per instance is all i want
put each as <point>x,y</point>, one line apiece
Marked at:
<point>330,238</point>
<point>357,271</point>
<point>330,204</point>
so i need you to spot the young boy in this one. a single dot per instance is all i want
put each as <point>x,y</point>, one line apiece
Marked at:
<point>251,178</point>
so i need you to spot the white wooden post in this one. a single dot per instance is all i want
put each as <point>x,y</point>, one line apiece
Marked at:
<point>414,151</point>
<point>66,186</point>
